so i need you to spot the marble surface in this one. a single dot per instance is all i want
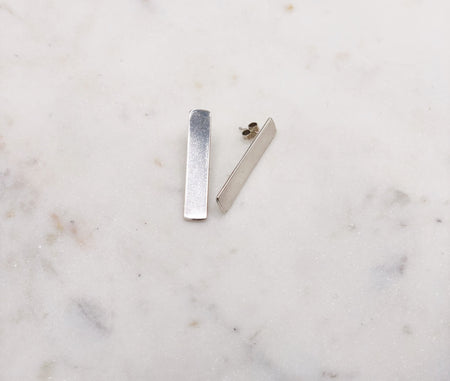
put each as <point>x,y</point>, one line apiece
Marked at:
<point>334,262</point>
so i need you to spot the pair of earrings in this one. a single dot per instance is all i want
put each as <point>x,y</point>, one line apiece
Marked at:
<point>197,164</point>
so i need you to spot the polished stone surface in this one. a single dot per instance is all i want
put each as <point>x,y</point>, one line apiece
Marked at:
<point>332,264</point>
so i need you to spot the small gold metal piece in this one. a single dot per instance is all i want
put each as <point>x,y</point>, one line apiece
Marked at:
<point>251,131</point>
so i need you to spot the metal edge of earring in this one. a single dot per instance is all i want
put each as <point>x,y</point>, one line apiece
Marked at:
<point>245,166</point>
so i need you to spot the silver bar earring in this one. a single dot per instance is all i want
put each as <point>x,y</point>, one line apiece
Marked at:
<point>234,184</point>
<point>197,166</point>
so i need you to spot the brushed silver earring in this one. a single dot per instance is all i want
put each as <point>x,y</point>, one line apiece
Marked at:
<point>197,166</point>
<point>261,140</point>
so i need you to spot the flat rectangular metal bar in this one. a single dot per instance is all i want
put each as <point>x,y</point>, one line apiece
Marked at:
<point>244,168</point>
<point>197,166</point>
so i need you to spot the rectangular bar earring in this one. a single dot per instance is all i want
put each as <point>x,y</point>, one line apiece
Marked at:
<point>197,166</point>
<point>262,139</point>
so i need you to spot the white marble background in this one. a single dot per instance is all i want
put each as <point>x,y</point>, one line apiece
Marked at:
<point>333,264</point>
